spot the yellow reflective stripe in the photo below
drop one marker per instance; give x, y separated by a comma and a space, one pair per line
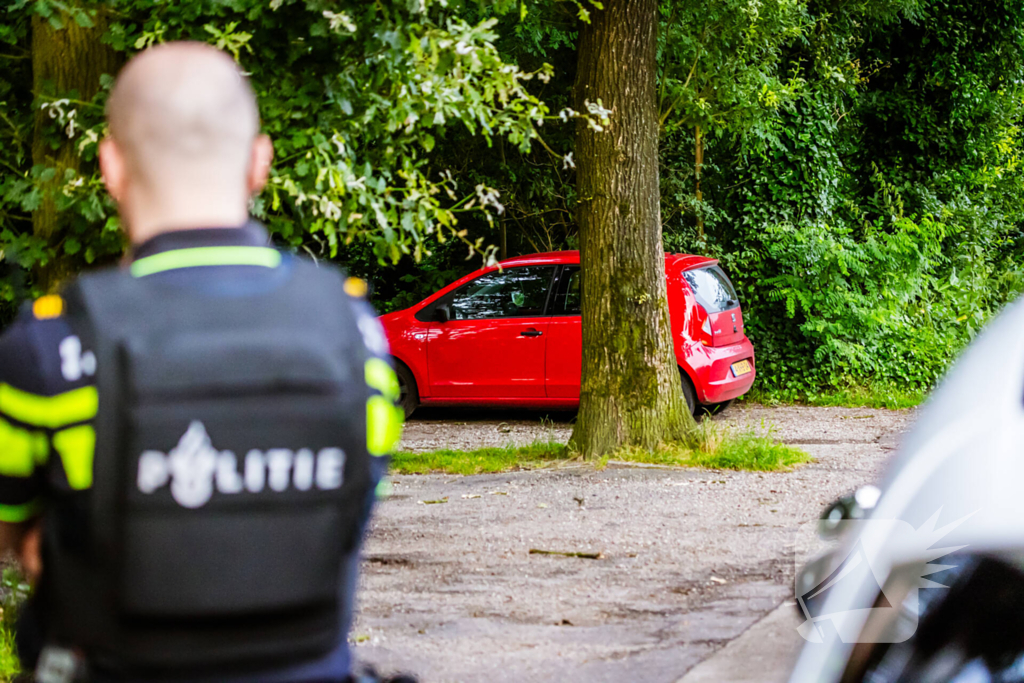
21, 450
19, 513
72, 406
383, 425
381, 377
76, 446
383, 419
206, 256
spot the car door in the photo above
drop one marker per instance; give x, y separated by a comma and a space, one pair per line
565, 337
492, 346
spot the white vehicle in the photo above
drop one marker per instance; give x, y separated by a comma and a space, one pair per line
927, 583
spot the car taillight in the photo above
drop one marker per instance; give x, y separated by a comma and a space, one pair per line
705, 336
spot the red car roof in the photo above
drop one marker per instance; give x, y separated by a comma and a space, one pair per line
543, 258
682, 261
690, 261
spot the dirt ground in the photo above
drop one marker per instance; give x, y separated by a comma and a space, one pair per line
687, 560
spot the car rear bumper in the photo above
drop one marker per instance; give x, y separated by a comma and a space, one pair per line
711, 369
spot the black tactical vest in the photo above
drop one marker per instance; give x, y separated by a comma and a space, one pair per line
230, 472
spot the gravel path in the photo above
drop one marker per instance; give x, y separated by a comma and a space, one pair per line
688, 559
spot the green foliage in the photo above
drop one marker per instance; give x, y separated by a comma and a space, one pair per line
9, 664
888, 396
861, 185
870, 217
355, 99
719, 62
13, 592
868, 206
874, 224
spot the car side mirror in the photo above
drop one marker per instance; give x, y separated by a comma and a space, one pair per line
442, 313
850, 507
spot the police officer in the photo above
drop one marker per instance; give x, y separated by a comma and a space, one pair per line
189, 444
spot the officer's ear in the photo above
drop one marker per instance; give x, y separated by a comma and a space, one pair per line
114, 168
259, 164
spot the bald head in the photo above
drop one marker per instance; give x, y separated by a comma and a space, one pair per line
184, 130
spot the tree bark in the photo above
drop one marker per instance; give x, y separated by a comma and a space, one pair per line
631, 393
66, 62
698, 167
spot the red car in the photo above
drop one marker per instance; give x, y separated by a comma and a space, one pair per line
511, 337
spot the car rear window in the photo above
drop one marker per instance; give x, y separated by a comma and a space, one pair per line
712, 288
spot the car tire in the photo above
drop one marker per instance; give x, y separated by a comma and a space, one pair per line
688, 391
408, 395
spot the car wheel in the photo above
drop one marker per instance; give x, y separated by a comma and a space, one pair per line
688, 392
408, 396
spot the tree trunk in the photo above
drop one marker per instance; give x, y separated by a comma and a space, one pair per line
698, 167
631, 393
66, 62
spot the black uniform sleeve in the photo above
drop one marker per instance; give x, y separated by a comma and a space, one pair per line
24, 447
47, 401
383, 416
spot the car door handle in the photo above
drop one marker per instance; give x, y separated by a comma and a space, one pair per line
530, 333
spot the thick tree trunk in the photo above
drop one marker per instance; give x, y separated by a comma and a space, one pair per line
66, 62
631, 393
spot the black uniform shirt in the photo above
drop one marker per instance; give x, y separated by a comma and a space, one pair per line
47, 394
48, 397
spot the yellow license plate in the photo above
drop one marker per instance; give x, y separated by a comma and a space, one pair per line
741, 368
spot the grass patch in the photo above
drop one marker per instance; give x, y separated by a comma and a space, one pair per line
872, 396
721, 449
13, 592
482, 460
9, 664
750, 451
712, 446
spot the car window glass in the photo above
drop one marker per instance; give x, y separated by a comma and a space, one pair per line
569, 293
711, 287
511, 293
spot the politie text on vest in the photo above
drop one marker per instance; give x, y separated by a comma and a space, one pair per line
194, 468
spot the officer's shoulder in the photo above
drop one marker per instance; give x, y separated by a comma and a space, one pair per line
29, 346
48, 307
47, 314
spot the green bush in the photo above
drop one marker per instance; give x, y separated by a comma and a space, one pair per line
861, 182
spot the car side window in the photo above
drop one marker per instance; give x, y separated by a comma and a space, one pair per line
510, 293
568, 296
